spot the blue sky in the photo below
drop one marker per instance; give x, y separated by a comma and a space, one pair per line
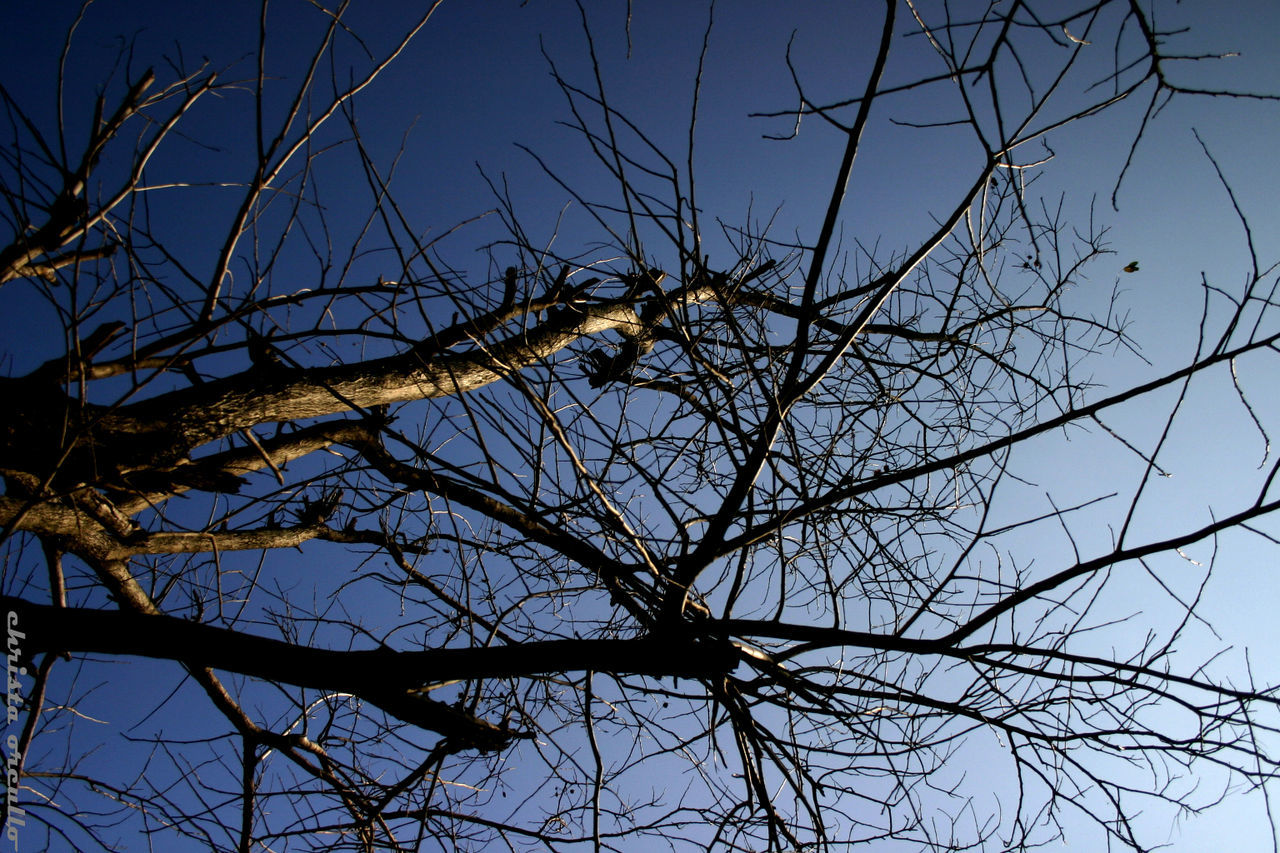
475, 85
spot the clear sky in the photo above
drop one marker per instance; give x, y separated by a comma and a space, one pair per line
473, 91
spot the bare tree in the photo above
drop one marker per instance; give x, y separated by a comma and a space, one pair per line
610, 542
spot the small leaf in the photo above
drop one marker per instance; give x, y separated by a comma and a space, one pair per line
1067, 33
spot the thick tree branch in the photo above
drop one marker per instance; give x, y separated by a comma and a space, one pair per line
392, 680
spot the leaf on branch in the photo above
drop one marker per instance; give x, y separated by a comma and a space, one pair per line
1067, 33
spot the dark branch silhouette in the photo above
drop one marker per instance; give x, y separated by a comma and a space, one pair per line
603, 544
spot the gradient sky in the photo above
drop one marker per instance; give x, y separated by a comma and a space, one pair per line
476, 83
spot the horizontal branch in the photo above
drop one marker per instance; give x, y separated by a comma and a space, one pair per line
161, 431
223, 540
371, 673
